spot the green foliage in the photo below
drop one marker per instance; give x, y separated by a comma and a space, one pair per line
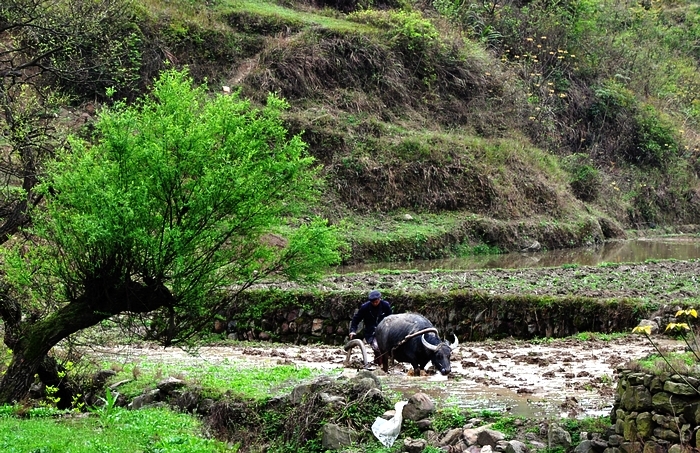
151, 430
681, 363
612, 99
585, 179
449, 417
657, 139
180, 190
405, 30
588, 424
506, 425
214, 380
92, 45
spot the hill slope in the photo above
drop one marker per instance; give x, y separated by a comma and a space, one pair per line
449, 128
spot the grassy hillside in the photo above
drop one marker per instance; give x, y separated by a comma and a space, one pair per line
449, 127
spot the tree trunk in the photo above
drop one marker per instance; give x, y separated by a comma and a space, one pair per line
35, 340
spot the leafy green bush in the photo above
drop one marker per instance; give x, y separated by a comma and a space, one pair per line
585, 179
612, 98
657, 140
405, 30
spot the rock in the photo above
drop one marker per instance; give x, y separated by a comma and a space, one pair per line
471, 435
363, 374
414, 445
204, 407
169, 384
584, 447
501, 446
636, 398
451, 437
652, 447
424, 424
615, 440
559, 437
490, 437
264, 336
645, 424
419, 406
515, 446
533, 247
100, 378
665, 402
331, 399
36, 391
679, 388
335, 437
187, 401
147, 399
631, 447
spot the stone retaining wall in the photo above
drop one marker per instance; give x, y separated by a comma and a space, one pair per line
324, 317
656, 413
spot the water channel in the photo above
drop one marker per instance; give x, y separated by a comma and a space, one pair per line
628, 251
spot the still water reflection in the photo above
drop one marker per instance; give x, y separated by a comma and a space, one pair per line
630, 251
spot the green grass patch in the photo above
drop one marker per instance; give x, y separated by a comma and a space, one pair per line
307, 18
147, 430
214, 380
681, 362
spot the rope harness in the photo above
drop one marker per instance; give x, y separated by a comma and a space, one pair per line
408, 337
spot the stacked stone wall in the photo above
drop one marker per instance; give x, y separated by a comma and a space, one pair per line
655, 413
324, 317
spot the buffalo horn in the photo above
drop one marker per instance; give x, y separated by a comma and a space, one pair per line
454, 345
432, 347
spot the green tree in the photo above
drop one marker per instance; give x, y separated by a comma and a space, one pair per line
79, 46
182, 202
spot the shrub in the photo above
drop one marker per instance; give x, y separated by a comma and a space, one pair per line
656, 140
585, 179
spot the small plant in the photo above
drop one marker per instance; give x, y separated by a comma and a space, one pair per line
685, 331
51, 395
106, 411
449, 417
506, 425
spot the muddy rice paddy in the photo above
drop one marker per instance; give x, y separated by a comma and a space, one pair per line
547, 378
569, 377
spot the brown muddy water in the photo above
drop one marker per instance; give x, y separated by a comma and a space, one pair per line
559, 378
629, 251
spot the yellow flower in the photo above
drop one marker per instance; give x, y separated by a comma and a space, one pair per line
677, 326
646, 330
689, 312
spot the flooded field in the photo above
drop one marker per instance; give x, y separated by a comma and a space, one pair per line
629, 251
570, 377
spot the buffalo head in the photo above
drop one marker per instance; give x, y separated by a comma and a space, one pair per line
440, 354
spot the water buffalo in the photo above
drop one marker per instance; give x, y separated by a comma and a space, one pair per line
411, 338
